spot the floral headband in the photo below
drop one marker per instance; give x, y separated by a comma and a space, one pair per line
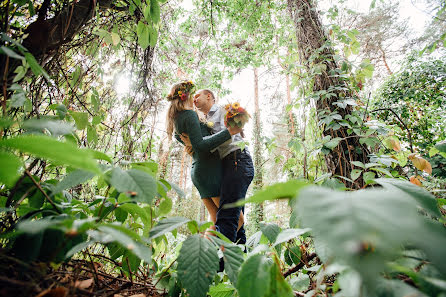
183, 91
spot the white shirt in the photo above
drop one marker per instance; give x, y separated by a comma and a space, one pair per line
216, 115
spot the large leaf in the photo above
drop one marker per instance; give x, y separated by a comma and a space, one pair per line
9, 170
288, 234
197, 265
366, 228
137, 248
232, 256
48, 148
35, 67
270, 231
155, 11
423, 197
56, 128
142, 31
287, 189
254, 279
81, 119
279, 287
135, 183
167, 225
7, 51
72, 179
136, 212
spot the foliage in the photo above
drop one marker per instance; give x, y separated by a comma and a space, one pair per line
79, 174
416, 93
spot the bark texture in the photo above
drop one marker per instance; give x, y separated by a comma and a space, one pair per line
257, 211
46, 36
313, 49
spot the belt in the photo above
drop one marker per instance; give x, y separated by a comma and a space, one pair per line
233, 155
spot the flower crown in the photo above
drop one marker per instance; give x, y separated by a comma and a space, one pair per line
182, 92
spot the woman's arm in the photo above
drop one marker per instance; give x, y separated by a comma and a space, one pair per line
199, 144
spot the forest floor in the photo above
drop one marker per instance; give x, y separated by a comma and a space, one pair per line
75, 278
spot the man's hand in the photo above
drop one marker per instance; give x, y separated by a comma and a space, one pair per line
185, 138
189, 150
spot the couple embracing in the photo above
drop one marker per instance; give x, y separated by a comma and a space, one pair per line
221, 171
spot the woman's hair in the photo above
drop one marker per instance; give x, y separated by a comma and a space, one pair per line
179, 96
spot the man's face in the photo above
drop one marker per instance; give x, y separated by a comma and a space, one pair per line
201, 99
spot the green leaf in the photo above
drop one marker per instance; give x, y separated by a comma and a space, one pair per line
155, 11
100, 155
9, 170
7, 51
355, 174
137, 248
359, 164
167, 225
233, 259
270, 231
77, 248
72, 179
197, 265
441, 146
136, 212
153, 35
300, 283
48, 148
136, 182
116, 39
287, 189
424, 199
369, 177
221, 290
165, 206
81, 119
293, 255
433, 151
365, 228
35, 67
332, 143
56, 128
130, 262
92, 136
279, 287
143, 35
289, 234
254, 278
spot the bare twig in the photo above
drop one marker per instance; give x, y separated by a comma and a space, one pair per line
43, 192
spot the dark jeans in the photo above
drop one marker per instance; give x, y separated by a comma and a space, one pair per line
238, 172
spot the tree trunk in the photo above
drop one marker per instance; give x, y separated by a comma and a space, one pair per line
313, 50
45, 37
257, 212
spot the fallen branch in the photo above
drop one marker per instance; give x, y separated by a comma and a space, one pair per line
300, 265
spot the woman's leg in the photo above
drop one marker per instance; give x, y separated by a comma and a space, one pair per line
212, 209
241, 219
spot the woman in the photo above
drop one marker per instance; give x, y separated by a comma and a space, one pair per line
206, 166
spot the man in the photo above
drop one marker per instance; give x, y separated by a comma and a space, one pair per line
238, 169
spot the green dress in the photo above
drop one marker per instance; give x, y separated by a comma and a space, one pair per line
206, 166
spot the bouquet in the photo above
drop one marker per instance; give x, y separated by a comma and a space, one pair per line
236, 115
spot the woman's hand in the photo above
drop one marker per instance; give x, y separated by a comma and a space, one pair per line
185, 138
234, 130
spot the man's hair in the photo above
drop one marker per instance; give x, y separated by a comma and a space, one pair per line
207, 91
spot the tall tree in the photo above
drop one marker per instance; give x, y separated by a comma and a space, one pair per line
257, 212
316, 53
